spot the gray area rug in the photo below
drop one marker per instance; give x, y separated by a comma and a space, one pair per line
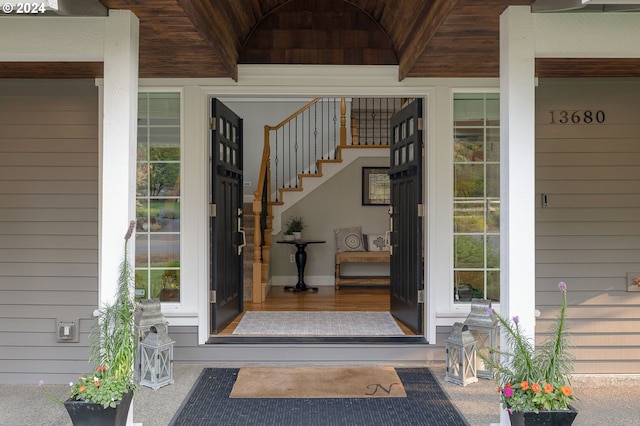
321, 323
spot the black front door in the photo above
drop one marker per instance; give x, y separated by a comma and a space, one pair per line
405, 174
226, 235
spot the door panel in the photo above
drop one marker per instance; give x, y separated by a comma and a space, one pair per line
226, 235
405, 174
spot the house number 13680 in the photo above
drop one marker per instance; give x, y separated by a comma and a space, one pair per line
577, 117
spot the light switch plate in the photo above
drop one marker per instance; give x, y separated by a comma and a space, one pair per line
67, 331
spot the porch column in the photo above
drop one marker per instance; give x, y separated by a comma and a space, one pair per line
118, 148
517, 169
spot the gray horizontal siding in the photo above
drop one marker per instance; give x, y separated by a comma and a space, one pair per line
48, 226
589, 236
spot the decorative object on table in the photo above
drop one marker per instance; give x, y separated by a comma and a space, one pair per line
349, 239
376, 188
156, 358
484, 328
460, 351
534, 382
295, 225
104, 397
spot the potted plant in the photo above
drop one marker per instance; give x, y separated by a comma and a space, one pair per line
104, 396
295, 225
534, 384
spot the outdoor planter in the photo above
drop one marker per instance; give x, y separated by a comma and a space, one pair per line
91, 414
543, 418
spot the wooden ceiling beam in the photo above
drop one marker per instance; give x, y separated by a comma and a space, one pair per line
420, 36
215, 27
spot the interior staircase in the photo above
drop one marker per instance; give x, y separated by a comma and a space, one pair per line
370, 136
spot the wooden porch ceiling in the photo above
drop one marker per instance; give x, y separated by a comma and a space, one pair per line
426, 38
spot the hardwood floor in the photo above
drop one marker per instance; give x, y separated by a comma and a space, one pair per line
326, 299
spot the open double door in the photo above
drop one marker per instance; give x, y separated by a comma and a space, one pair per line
227, 237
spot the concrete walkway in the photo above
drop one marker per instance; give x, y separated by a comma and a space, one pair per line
604, 401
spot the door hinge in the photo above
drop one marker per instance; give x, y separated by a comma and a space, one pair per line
420, 123
420, 296
212, 296
213, 210
420, 210
212, 123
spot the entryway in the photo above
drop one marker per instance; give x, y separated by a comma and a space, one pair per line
404, 218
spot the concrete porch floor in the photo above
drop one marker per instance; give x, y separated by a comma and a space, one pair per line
604, 400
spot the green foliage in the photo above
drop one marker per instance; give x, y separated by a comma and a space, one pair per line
533, 379
294, 224
113, 344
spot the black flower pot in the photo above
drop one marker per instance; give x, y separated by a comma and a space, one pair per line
543, 418
91, 414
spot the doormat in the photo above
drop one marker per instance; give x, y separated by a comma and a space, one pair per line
317, 323
318, 382
208, 403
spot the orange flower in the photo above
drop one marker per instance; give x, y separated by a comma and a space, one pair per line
566, 390
101, 368
535, 387
96, 383
548, 388
82, 388
524, 385
499, 389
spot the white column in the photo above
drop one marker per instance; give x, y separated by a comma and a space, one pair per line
118, 147
517, 169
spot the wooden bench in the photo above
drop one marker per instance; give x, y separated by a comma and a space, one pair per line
361, 257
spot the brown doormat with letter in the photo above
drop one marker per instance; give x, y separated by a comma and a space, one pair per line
318, 382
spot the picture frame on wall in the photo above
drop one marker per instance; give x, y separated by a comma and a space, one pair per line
376, 189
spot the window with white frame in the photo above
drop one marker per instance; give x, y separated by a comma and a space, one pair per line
476, 196
158, 196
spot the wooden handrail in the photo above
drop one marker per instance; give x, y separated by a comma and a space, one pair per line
292, 116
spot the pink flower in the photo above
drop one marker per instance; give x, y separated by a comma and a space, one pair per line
562, 286
508, 392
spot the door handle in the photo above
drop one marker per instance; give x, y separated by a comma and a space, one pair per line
244, 241
241, 231
387, 235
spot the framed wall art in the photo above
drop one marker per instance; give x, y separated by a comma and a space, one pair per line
376, 190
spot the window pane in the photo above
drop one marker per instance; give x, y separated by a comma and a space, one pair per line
468, 251
142, 252
164, 179
142, 285
493, 285
468, 180
493, 251
493, 144
468, 146
468, 285
493, 180
468, 109
164, 248
142, 180
493, 216
468, 216
493, 109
